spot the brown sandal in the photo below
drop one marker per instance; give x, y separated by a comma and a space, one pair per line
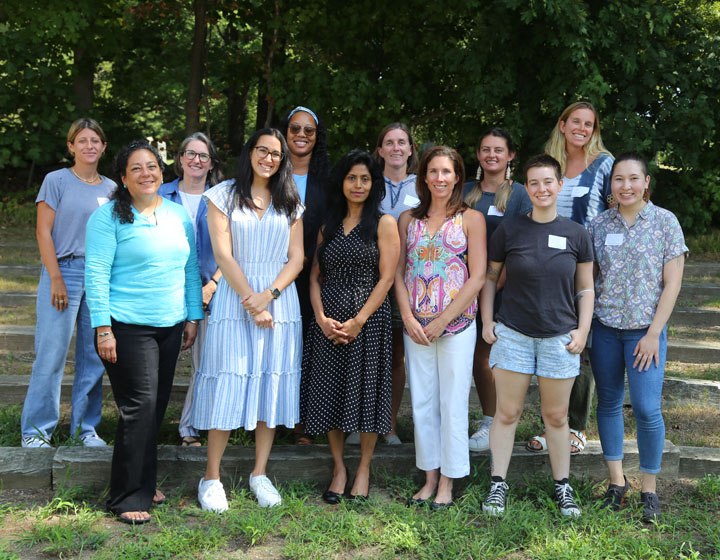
191, 441
302, 439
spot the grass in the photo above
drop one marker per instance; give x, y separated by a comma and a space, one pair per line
304, 528
707, 372
19, 283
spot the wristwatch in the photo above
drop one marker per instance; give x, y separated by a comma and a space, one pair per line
274, 292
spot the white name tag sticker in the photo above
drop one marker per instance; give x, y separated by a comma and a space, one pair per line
492, 211
614, 239
411, 201
580, 191
557, 242
102, 200
236, 215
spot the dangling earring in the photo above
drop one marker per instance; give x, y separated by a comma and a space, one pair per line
478, 175
124, 186
611, 200
646, 195
507, 172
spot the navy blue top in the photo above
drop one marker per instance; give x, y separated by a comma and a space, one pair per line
205, 255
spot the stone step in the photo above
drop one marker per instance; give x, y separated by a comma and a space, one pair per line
676, 392
183, 466
698, 291
17, 299
697, 318
699, 269
20, 270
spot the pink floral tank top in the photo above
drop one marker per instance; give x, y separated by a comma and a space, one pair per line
436, 269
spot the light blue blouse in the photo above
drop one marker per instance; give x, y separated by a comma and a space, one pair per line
142, 273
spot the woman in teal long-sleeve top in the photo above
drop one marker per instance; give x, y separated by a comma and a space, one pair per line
144, 293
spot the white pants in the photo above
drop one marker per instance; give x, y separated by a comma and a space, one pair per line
439, 376
196, 350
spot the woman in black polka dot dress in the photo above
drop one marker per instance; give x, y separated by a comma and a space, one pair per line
345, 384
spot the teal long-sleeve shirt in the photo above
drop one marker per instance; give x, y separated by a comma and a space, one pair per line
142, 273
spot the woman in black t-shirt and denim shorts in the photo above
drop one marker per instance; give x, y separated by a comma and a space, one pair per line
549, 263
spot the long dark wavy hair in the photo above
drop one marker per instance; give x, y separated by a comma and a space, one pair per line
215, 175
121, 195
318, 170
455, 204
283, 191
337, 207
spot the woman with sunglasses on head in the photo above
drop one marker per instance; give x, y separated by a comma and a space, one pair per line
144, 295
577, 145
498, 197
307, 141
249, 375
198, 168
66, 199
639, 259
347, 355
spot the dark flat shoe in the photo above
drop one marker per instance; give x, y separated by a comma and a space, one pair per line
434, 506
614, 496
356, 499
332, 498
415, 502
121, 517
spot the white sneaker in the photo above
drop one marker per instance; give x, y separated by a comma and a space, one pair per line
480, 440
211, 496
34, 441
93, 440
353, 439
264, 491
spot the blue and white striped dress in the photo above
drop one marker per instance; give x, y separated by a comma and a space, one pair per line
248, 374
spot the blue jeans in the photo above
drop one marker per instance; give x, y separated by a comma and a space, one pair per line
611, 354
53, 333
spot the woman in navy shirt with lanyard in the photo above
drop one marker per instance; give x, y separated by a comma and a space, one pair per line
497, 196
640, 254
198, 168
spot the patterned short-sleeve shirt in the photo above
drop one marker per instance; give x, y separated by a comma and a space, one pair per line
631, 261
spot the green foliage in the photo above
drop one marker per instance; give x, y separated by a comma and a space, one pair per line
650, 67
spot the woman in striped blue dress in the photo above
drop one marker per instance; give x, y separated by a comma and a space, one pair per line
249, 375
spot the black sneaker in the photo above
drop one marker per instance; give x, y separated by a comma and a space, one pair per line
614, 496
565, 499
494, 503
651, 506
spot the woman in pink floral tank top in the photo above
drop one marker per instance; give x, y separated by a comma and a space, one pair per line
436, 286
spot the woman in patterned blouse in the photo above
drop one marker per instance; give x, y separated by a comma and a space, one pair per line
436, 284
639, 257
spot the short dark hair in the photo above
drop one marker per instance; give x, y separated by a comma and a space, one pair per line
121, 195
631, 156
543, 160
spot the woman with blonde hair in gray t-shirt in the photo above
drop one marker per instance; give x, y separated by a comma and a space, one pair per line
67, 198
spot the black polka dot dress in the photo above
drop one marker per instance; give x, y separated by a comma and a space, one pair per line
347, 386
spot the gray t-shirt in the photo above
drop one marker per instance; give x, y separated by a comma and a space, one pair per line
73, 202
399, 196
541, 258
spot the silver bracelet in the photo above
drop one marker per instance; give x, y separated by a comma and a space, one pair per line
104, 334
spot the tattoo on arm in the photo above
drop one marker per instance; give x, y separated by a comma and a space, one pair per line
493, 272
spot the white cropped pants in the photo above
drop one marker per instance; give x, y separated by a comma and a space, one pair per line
439, 376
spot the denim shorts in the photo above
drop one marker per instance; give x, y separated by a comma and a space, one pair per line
544, 357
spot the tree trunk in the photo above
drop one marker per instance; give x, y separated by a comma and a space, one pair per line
197, 68
270, 46
83, 79
237, 95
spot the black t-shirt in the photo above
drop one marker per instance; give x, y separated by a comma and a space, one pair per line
539, 294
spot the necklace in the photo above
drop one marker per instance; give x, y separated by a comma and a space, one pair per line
88, 181
153, 216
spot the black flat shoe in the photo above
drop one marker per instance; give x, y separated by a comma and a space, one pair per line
356, 499
434, 506
415, 502
121, 517
332, 498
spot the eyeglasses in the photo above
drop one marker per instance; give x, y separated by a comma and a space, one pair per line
296, 128
190, 155
263, 153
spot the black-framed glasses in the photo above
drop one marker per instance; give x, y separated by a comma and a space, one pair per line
191, 154
296, 128
263, 153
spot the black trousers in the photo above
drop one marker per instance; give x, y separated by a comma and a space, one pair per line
141, 381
